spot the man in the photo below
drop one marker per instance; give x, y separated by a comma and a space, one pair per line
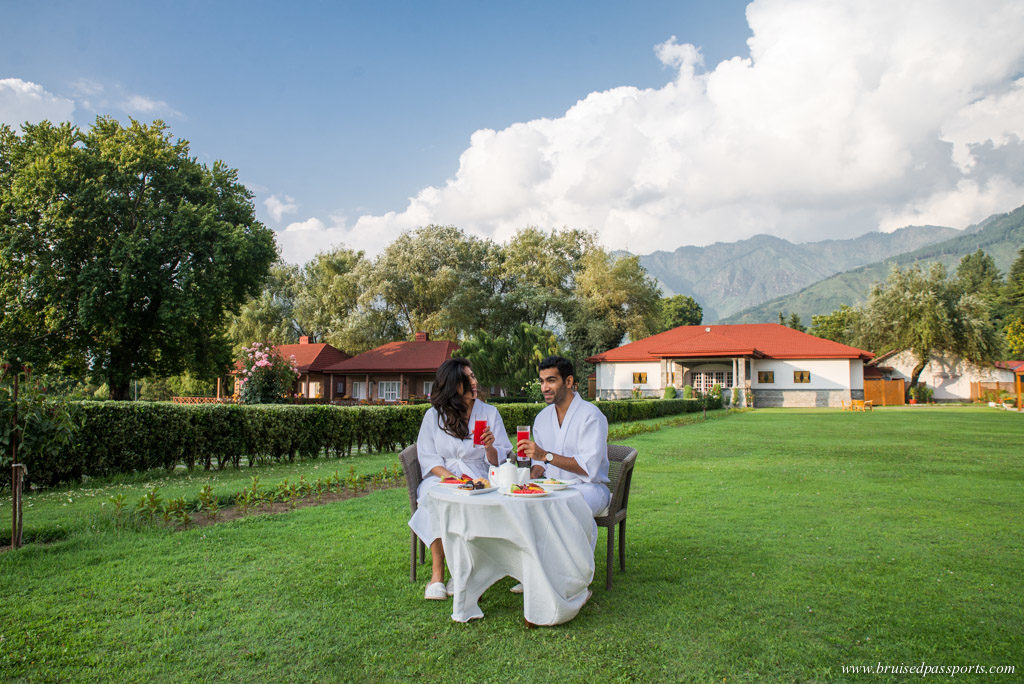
570, 436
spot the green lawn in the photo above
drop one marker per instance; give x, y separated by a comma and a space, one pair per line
771, 545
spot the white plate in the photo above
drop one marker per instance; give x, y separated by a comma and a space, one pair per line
471, 492
550, 487
507, 492
451, 485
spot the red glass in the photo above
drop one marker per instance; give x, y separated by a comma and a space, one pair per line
478, 432
522, 432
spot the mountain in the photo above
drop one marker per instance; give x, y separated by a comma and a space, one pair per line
1000, 236
726, 278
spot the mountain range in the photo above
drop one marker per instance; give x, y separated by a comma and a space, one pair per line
752, 280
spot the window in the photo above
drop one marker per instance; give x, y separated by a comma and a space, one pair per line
388, 390
801, 376
428, 387
703, 381
766, 377
639, 378
358, 390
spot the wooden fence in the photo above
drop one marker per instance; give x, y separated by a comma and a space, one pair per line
978, 389
883, 392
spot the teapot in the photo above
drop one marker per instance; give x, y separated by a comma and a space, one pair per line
504, 476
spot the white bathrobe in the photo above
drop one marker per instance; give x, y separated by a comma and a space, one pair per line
435, 447
583, 436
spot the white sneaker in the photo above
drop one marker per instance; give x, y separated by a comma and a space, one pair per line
435, 592
518, 589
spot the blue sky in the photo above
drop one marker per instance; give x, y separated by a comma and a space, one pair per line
653, 123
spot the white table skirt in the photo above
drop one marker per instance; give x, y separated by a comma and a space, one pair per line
547, 543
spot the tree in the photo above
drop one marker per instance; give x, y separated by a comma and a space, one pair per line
1012, 296
680, 310
839, 326
120, 253
434, 279
795, 323
612, 297
509, 362
977, 273
1015, 337
928, 315
270, 315
329, 293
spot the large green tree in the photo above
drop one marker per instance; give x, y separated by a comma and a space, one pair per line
612, 297
977, 273
120, 252
329, 294
680, 310
840, 326
929, 315
509, 362
269, 315
434, 279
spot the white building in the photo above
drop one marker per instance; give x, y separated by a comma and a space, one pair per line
950, 378
773, 364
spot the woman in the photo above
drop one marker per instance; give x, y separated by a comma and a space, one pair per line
445, 449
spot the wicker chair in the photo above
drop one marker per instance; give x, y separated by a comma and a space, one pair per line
413, 477
620, 473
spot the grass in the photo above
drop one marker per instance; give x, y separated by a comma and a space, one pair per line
771, 545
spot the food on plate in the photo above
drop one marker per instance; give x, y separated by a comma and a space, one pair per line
550, 481
527, 489
456, 480
475, 484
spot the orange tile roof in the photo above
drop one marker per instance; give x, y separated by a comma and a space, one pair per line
399, 357
759, 340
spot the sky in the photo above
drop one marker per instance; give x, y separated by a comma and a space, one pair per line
655, 124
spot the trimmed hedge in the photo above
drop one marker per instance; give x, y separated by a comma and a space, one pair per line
115, 437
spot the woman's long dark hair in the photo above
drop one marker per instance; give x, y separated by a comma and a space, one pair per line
450, 384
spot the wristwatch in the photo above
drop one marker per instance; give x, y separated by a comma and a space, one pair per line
548, 458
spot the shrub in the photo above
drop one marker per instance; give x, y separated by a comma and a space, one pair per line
266, 376
922, 393
670, 392
687, 391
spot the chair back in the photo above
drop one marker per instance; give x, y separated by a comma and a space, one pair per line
413, 475
620, 474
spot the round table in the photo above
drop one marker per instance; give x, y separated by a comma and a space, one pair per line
547, 543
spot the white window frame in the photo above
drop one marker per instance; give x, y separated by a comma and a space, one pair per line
358, 389
389, 390
428, 387
704, 380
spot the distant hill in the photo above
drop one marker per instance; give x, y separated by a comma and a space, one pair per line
726, 278
1000, 236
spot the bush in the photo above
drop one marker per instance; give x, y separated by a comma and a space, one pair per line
922, 393
45, 426
266, 376
113, 437
687, 391
670, 392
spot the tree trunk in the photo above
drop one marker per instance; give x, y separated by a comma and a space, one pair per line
914, 375
120, 391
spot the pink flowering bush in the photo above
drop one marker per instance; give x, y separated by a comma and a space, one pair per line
267, 377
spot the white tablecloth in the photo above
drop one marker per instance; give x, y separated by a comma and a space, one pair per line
547, 543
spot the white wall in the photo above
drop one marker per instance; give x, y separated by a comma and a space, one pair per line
950, 378
619, 376
826, 374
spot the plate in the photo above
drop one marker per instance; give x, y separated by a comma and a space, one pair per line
471, 492
451, 485
550, 487
522, 496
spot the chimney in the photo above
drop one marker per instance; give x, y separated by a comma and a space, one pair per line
422, 337
304, 339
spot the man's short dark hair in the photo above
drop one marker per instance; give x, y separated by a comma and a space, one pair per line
562, 364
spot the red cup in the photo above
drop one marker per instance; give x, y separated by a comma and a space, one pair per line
522, 432
478, 432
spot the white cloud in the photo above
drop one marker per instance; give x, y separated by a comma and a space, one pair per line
22, 101
140, 104
844, 117
278, 207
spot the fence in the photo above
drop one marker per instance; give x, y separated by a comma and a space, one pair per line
884, 392
980, 390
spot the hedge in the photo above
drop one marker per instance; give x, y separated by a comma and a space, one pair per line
116, 437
